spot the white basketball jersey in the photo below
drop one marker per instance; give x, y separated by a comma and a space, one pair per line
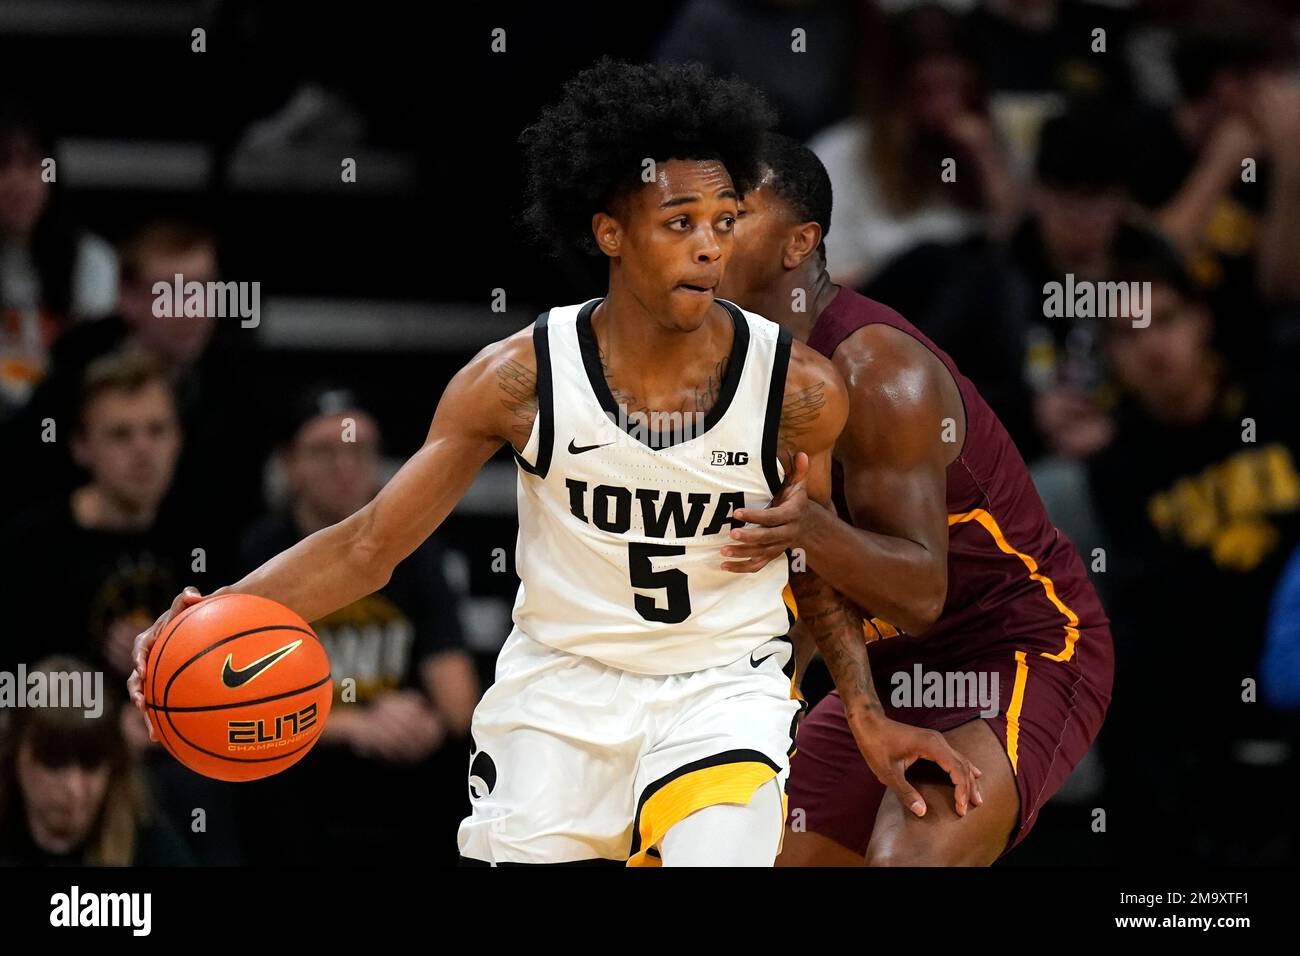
622, 520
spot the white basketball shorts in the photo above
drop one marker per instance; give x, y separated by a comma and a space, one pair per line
574, 760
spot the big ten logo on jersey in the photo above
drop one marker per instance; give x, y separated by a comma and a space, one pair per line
269, 733
730, 458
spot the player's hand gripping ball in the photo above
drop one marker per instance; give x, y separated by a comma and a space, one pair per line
238, 687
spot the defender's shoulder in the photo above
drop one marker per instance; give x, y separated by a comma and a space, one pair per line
884, 356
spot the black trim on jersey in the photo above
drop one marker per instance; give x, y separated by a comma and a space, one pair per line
717, 760
775, 399
596, 374
545, 402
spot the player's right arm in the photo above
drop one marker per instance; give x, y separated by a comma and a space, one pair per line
490, 401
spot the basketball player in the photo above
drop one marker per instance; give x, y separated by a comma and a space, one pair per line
643, 707
947, 550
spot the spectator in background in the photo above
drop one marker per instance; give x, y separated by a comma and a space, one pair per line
71, 792
1199, 496
924, 104
51, 272
386, 782
1080, 224
88, 571
84, 572
218, 479
753, 39
1238, 104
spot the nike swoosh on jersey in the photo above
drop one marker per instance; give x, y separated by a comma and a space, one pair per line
239, 676
576, 449
755, 663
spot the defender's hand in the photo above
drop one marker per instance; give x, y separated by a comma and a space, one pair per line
890, 747
780, 524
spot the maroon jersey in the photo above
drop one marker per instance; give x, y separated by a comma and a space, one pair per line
1020, 608
1013, 579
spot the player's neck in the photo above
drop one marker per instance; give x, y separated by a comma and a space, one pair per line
94, 508
798, 300
624, 327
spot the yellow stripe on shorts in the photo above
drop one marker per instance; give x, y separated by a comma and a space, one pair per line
730, 777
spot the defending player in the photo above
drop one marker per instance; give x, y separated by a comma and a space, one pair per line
642, 707
949, 552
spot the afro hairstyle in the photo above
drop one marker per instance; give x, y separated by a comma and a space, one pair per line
587, 149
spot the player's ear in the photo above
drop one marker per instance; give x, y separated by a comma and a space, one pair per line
801, 243
607, 233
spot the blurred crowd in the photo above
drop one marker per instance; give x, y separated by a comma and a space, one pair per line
979, 151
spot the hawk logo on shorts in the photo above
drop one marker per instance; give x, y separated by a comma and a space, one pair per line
482, 772
730, 458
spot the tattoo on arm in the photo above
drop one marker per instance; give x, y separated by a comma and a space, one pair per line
799, 413
518, 385
836, 626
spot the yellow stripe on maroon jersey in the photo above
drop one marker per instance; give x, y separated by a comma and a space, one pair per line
1013, 711
986, 521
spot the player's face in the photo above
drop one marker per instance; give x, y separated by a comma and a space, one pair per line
62, 802
676, 240
758, 255
333, 464
129, 443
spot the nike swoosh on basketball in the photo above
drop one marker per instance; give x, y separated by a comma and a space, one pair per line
239, 676
576, 449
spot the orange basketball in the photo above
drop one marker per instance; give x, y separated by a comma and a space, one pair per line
238, 687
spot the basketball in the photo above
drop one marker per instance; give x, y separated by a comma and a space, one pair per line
238, 687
